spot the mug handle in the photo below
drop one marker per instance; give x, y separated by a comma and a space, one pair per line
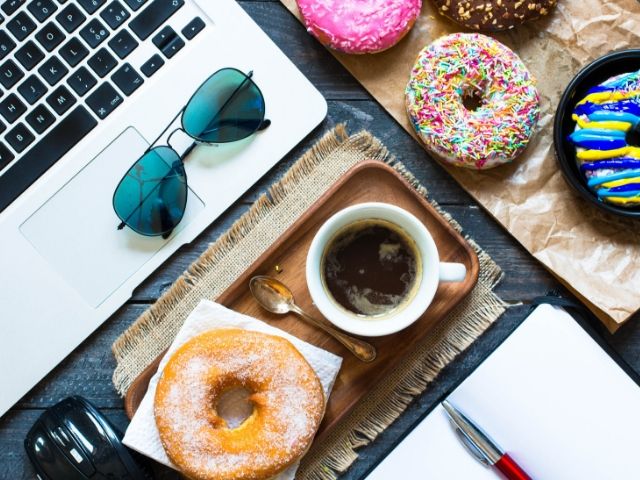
452, 272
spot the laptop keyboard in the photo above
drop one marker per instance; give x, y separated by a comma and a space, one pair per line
48, 103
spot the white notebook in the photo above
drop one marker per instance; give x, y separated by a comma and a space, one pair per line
550, 396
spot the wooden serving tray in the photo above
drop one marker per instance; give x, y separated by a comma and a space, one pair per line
366, 182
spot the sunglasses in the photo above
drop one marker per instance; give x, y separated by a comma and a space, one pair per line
152, 196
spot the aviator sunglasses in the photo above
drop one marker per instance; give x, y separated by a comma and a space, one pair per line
152, 196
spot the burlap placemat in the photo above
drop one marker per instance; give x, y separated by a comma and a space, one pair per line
250, 236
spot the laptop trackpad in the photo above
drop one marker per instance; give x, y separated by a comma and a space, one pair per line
75, 230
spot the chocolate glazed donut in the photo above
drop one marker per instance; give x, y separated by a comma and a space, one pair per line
493, 15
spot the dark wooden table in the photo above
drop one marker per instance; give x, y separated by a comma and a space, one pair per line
87, 371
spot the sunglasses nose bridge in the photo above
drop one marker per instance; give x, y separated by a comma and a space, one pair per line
185, 148
173, 132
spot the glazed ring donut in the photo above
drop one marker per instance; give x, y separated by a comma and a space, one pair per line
459, 67
607, 119
287, 396
359, 26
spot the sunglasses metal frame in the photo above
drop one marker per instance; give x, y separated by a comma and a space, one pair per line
196, 141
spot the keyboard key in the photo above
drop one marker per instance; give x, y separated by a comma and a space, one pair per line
82, 81
21, 26
94, 33
163, 37
152, 65
11, 108
3, 127
168, 41
102, 62
11, 6
5, 156
91, 6
123, 43
71, 17
32, 89
104, 100
40, 118
61, 99
73, 51
10, 74
37, 160
29, 55
19, 137
53, 70
173, 47
42, 9
114, 14
194, 27
150, 19
6, 44
135, 4
127, 79
50, 36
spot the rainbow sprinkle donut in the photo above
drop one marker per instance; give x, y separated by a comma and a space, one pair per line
607, 139
464, 66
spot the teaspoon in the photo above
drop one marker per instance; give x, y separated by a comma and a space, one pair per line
275, 297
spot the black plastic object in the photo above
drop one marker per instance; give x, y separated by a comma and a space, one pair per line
73, 441
593, 74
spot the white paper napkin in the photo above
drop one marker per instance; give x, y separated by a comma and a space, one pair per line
142, 434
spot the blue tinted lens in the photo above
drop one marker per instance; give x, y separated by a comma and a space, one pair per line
152, 196
226, 108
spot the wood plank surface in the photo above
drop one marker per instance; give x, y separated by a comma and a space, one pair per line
87, 371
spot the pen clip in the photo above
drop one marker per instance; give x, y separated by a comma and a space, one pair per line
471, 447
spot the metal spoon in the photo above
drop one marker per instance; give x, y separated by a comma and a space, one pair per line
275, 297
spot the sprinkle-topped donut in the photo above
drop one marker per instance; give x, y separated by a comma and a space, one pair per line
466, 68
607, 139
359, 26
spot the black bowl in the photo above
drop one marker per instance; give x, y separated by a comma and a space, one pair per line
593, 74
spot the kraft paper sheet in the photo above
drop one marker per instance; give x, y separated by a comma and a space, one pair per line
594, 254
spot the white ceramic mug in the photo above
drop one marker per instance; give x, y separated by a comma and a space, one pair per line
433, 271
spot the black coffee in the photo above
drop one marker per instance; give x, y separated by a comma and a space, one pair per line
370, 267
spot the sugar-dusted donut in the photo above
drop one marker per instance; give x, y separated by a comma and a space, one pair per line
493, 15
287, 397
607, 139
500, 93
359, 26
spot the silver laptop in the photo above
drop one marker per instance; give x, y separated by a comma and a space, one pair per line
87, 84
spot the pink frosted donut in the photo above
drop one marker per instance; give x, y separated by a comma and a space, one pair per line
359, 26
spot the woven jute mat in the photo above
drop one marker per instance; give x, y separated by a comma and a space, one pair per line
250, 236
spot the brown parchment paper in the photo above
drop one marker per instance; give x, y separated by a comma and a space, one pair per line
594, 254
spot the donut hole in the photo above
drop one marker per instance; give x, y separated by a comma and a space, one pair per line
234, 406
633, 136
472, 100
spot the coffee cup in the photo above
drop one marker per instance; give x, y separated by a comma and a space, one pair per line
397, 253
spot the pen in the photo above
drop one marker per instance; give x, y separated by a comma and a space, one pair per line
481, 446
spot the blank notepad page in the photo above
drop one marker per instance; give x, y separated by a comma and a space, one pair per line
550, 396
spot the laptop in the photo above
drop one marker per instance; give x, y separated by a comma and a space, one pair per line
86, 86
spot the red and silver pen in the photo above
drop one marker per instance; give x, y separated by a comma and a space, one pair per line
482, 447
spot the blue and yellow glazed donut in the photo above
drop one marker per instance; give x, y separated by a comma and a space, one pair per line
607, 139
